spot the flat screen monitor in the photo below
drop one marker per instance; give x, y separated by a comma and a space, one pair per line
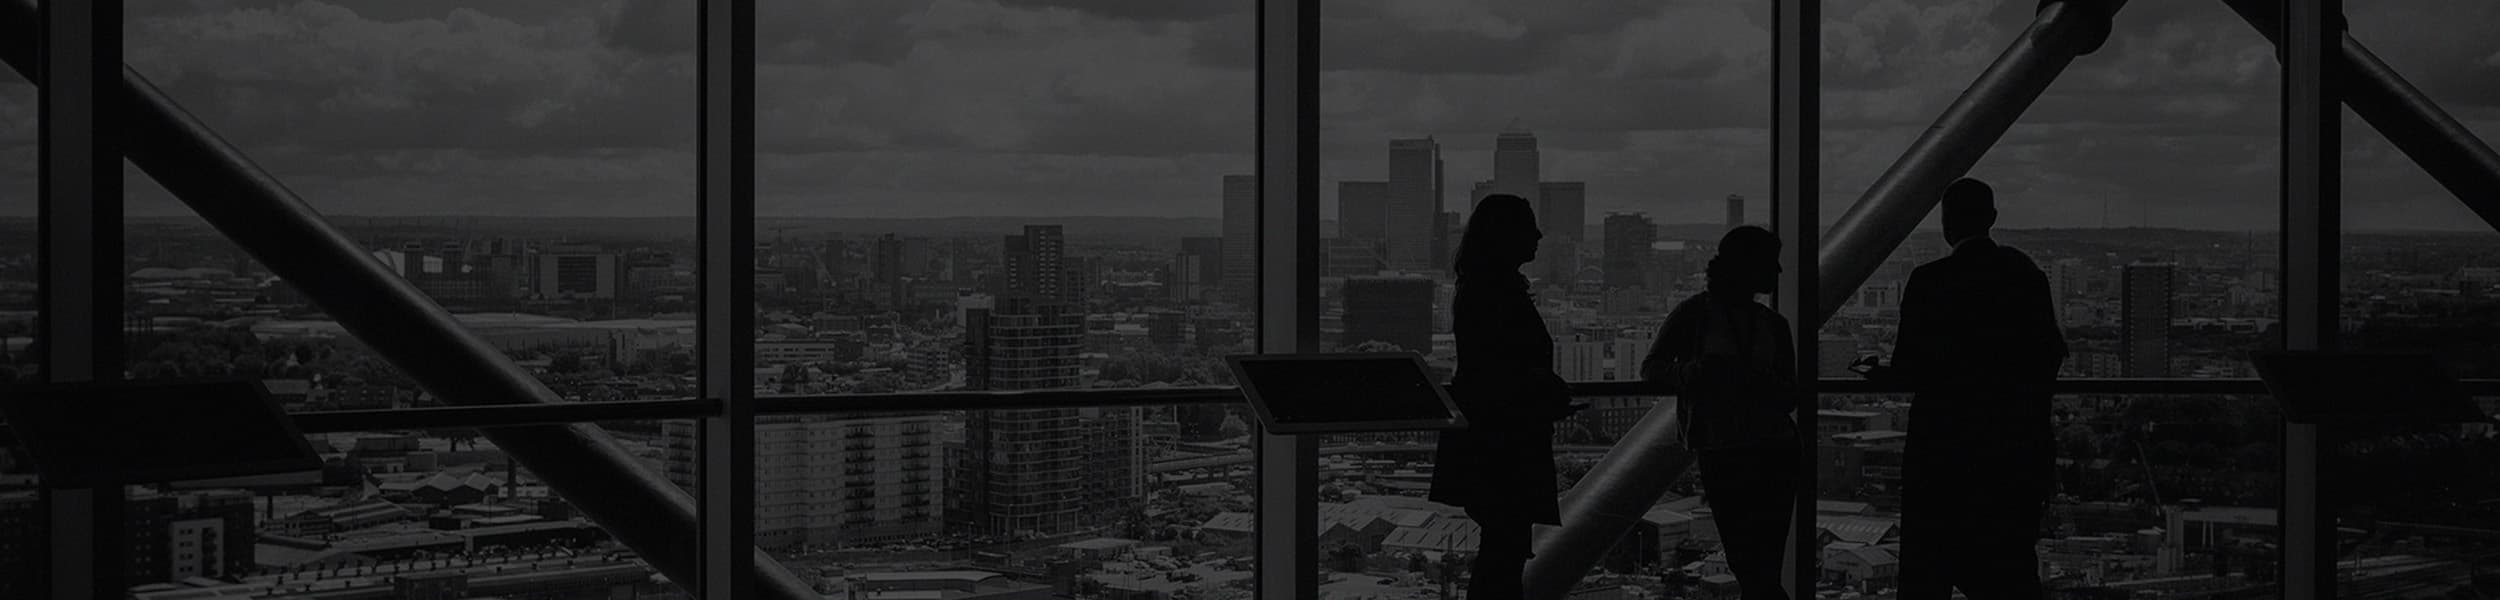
89, 435
2365, 388
1344, 392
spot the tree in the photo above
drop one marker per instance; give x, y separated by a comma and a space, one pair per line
567, 363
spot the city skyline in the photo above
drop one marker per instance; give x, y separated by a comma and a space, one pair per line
1033, 108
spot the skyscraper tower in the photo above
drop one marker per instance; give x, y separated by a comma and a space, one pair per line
1414, 204
1735, 211
1628, 240
1362, 209
1037, 267
1241, 238
1036, 470
1516, 168
2147, 289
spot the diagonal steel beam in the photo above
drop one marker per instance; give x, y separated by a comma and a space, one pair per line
1621, 487
1901, 198
580, 461
2410, 120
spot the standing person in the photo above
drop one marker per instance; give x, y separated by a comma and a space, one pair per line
1979, 346
1501, 467
1734, 368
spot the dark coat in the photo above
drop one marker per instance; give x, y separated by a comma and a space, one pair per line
1980, 345
1734, 369
1503, 462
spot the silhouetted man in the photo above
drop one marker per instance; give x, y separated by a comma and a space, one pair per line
1980, 345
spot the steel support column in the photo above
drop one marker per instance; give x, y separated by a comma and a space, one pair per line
2312, 186
1288, 280
2444, 148
1616, 493
1796, 211
1905, 193
726, 232
385, 312
80, 206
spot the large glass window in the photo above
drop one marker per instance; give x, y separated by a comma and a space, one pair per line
2143, 183
527, 166
996, 197
2420, 272
1631, 129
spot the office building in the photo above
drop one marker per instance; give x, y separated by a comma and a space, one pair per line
1396, 310
1517, 168
1241, 238
1037, 267
834, 481
1414, 205
1363, 209
1563, 210
1629, 237
1196, 270
2144, 317
580, 272
1042, 470
1352, 257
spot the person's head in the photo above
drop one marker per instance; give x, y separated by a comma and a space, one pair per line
1748, 262
1970, 208
1500, 236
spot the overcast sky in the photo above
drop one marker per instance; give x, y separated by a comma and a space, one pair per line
898, 108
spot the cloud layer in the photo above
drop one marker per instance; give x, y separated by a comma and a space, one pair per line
1137, 107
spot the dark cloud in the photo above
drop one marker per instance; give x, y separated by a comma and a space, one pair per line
1144, 10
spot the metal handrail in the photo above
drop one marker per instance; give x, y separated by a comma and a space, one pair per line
538, 414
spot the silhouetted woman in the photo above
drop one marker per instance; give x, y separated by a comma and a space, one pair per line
1501, 467
1734, 369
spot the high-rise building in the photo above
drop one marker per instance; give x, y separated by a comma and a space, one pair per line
2144, 317
1196, 269
1040, 470
834, 480
1517, 169
1037, 267
1352, 257
1397, 310
1414, 204
1735, 211
578, 272
1628, 240
1563, 216
1241, 238
1363, 209
1564, 210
